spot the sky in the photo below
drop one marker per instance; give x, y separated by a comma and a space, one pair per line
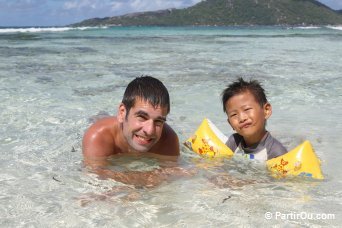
65, 12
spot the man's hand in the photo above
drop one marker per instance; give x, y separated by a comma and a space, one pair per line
147, 179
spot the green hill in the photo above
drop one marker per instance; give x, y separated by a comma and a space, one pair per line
231, 12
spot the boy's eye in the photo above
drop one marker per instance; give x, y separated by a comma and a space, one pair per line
232, 115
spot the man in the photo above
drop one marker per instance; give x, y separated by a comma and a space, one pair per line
139, 128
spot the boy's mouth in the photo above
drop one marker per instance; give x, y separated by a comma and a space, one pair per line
246, 125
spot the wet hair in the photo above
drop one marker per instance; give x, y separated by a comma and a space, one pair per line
240, 86
148, 89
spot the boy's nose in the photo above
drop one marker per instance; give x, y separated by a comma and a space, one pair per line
242, 117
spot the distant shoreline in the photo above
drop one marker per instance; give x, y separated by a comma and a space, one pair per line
176, 26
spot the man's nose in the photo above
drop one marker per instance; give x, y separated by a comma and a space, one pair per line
149, 127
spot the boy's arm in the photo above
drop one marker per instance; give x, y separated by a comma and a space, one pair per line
276, 149
228, 181
233, 142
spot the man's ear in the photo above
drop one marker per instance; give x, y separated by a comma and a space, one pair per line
267, 110
121, 113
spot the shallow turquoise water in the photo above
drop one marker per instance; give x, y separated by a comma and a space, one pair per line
53, 82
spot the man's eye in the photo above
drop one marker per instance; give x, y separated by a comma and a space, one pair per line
159, 123
141, 118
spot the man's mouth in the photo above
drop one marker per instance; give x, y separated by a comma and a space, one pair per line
143, 140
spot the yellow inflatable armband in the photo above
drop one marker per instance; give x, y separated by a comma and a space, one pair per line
301, 161
209, 141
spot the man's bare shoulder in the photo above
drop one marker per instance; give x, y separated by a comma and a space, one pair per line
106, 121
99, 139
103, 126
168, 144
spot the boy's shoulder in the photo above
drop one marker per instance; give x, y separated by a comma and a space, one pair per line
273, 147
234, 141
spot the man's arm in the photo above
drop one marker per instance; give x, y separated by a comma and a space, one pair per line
168, 145
98, 145
98, 140
153, 178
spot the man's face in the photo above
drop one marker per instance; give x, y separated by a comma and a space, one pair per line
247, 117
143, 126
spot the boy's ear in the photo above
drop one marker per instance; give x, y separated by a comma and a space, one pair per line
121, 113
267, 110
230, 124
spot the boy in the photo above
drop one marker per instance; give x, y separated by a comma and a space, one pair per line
247, 108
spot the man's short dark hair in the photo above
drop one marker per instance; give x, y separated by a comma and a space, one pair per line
239, 86
148, 89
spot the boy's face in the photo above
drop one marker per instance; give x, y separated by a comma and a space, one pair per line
247, 117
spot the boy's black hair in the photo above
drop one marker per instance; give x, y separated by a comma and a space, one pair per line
148, 89
239, 86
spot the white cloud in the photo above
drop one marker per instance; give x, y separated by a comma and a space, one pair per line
115, 6
18, 5
69, 5
103, 8
334, 4
87, 4
144, 5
